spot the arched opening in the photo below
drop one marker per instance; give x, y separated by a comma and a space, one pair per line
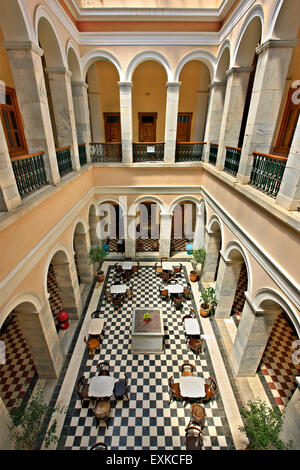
111, 229
81, 255
184, 225
213, 245
147, 227
93, 221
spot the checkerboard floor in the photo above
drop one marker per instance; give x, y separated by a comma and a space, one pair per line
147, 420
54, 299
178, 244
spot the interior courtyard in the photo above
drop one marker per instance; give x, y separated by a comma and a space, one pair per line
149, 130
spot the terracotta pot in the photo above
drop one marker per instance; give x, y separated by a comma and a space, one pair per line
204, 310
194, 276
100, 276
147, 319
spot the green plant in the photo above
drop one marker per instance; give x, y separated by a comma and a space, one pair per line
199, 255
28, 423
208, 296
97, 255
262, 426
147, 316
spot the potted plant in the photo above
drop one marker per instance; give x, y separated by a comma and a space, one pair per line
199, 258
262, 426
97, 255
147, 316
209, 301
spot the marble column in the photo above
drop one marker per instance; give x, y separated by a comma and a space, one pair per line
228, 276
130, 235
212, 247
214, 115
82, 117
63, 110
26, 66
200, 118
291, 423
235, 97
269, 84
171, 121
126, 120
67, 283
5, 440
9, 194
93, 223
251, 339
289, 192
165, 235
38, 329
82, 256
198, 241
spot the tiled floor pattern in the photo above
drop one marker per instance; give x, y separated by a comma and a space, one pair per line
239, 299
54, 299
147, 421
178, 244
19, 371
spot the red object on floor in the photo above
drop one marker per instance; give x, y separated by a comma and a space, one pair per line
63, 320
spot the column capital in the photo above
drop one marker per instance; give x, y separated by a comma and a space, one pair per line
242, 69
58, 71
125, 84
279, 43
24, 45
80, 85
173, 84
216, 84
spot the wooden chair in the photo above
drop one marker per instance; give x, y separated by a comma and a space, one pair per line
119, 269
158, 269
198, 414
195, 345
164, 293
177, 301
117, 301
155, 245
92, 345
210, 389
99, 446
126, 274
129, 292
165, 276
177, 270
82, 389
187, 369
95, 314
193, 438
187, 292
135, 269
121, 388
104, 368
101, 411
108, 296
174, 390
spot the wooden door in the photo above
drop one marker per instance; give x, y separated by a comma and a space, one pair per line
147, 127
184, 127
112, 127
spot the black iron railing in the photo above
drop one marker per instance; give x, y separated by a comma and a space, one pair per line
232, 160
148, 151
106, 152
189, 151
82, 154
29, 172
267, 172
63, 155
213, 152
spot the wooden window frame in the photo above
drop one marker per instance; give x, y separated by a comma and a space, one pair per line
279, 148
14, 151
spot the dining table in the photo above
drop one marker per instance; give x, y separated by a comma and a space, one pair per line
101, 386
127, 265
167, 266
118, 289
192, 327
96, 326
175, 289
191, 387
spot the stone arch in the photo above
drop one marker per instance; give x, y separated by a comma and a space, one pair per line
116, 199
16, 22
148, 56
29, 297
204, 56
223, 62
180, 199
215, 224
249, 36
284, 20
91, 57
49, 38
74, 62
213, 246
81, 245
132, 209
235, 245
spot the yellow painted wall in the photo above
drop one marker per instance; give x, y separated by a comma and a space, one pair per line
5, 71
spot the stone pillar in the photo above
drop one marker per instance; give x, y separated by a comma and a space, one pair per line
228, 276
40, 334
9, 194
291, 423
198, 241
130, 236
235, 97
214, 115
171, 121
289, 192
93, 222
126, 120
82, 117
63, 110
251, 339
26, 66
165, 235
269, 84
212, 247
95, 118
67, 283
200, 118
5, 441
84, 267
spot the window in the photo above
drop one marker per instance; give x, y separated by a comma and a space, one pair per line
12, 124
288, 124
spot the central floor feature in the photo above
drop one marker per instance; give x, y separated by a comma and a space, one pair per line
147, 335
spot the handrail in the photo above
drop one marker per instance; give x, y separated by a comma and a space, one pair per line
104, 143
59, 149
29, 155
234, 148
81, 145
269, 155
190, 142
148, 143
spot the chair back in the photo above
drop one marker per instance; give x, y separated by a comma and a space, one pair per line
99, 446
187, 366
104, 368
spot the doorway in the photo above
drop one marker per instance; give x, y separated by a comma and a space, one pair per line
147, 127
184, 127
112, 123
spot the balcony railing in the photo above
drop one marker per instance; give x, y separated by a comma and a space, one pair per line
213, 152
29, 172
189, 151
232, 160
267, 172
64, 161
106, 152
82, 154
148, 151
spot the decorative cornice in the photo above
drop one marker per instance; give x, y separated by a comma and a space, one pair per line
173, 84
58, 71
276, 43
242, 69
26, 45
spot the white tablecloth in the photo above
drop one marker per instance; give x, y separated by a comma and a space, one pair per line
118, 289
192, 387
96, 326
167, 266
192, 326
175, 289
127, 265
101, 386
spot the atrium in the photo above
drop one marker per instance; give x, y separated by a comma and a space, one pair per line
146, 132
